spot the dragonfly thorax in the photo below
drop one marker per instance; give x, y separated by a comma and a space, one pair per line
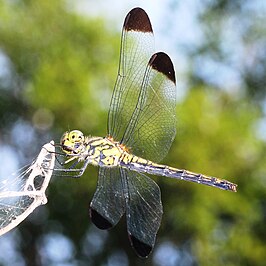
104, 152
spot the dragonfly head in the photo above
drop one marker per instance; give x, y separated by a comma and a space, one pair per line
72, 142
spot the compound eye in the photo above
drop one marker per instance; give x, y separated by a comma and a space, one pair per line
64, 138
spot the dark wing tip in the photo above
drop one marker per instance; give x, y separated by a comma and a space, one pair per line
143, 250
137, 20
162, 63
99, 220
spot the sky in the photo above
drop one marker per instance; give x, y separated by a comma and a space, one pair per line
176, 25
117, 11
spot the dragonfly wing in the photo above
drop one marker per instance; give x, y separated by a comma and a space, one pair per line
142, 109
143, 210
137, 46
152, 127
107, 205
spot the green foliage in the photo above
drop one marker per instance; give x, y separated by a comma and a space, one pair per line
217, 137
60, 60
62, 68
233, 38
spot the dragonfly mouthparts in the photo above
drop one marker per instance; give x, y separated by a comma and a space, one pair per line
69, 150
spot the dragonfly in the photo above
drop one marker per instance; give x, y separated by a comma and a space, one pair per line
141, 128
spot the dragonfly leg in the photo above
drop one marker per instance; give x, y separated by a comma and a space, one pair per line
67, 161
71, 171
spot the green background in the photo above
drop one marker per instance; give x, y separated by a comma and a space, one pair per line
58, 73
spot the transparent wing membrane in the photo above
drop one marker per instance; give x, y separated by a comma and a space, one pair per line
23, 192
137, 46
152, 127
108, 204
143, 211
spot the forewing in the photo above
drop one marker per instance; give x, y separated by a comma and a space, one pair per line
137, 46
143, 211
107, 205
